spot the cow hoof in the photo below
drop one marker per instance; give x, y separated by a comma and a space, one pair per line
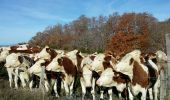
101, 99
57, 96
73, 95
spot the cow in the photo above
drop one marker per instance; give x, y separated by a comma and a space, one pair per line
43, 59
25, 48
18, 65
160, 59
69, 71
86, 73
100, 63
4, 53
111, 78
142, 74
36, 69
18, 49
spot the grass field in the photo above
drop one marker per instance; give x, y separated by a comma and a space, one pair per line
7, 93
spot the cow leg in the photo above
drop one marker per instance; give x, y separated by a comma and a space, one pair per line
101, 94
150, 94
22, 79
110, 94
130, 94
71, 87
156, 90
83, 88
55, 89
9, 70
46, 85
119, 95
66, 88
144, 91
93, 88
16, 78
31, 85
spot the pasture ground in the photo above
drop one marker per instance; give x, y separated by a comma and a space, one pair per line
7, 93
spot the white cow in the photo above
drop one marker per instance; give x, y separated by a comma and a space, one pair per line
17, 65
37, 70
86, 73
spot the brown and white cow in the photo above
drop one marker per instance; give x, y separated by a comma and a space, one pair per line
69, 71
25, 48
51, 78
111, 78
100, 63
86, 73
62, 62
143, 75
160, 59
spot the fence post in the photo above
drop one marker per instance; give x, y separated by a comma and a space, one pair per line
42, 81
168, 64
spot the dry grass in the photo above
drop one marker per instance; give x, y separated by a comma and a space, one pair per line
7, 93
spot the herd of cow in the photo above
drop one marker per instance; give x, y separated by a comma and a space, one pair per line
134, 74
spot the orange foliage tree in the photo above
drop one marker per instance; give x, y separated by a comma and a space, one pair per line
131, 33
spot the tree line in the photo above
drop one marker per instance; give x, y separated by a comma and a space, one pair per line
115, 32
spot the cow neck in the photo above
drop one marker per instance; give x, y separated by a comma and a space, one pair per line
92, 57
52, 53
152, 72
109, 62
79, 60
120, 77
46, 63
68, 66
140, 76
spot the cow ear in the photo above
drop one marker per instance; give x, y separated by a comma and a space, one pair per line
60, 60
131, 61
107, 58
42, 64
115, 77
48, 50
20, 58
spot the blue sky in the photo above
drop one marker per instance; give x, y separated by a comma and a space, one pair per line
21, 19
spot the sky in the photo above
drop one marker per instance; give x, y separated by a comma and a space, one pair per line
20, 20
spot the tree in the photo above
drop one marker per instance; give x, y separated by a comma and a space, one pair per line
131, 33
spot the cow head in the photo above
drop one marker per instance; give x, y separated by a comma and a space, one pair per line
162, 59
44, 53
161, 56
72, 56
36, 68
106, 78
110, 77
13, 60
103, 61
97, 64
4, 53
55, 64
